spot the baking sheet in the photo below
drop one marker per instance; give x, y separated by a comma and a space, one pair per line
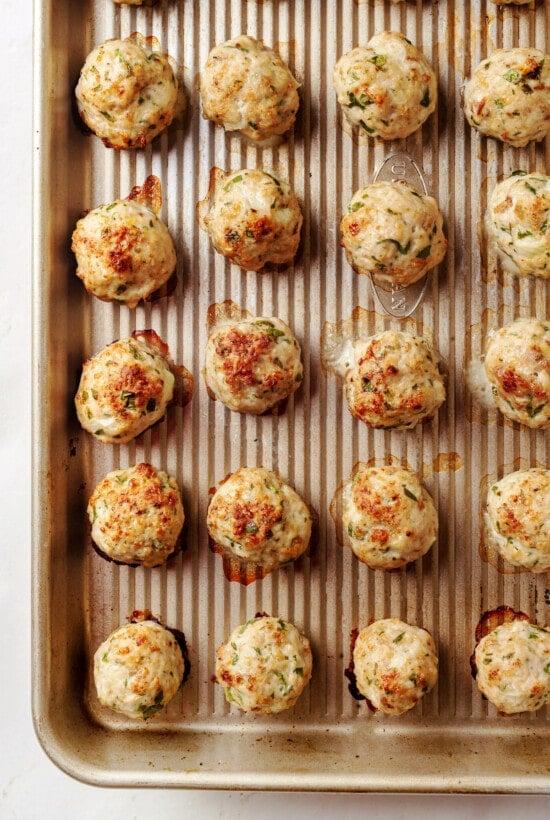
453, 741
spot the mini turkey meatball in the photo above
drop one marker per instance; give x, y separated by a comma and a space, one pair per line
508, 96
395, 665
389, 517
257, 518
246, 87
123, 251
517, 364
517, 518
511, 664
136, 515
265, 665
518, 225
138, 669
395, 380
127, 93
252, 218
387, 88
125, 388
252, 365
393, 233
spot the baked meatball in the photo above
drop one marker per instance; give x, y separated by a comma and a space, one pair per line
389, 517
123, 251
252, 218
125, 388
517, 364
246, 87
509, 2
127, 92
387, 88
138, 669
517, 518
512, 666
256, 518
264, 666
518, 225
393, 233
136, 515
395, 380
395, 665
508, 96
253, 364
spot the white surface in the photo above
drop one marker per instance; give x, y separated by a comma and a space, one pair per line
30, 786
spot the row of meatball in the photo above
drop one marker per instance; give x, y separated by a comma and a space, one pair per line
258, 523
266, 664
392, 379
390, 231
128, 91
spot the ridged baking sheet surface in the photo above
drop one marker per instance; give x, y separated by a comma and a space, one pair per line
315, 443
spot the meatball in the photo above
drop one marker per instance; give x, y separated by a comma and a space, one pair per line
518, 226
252, 365
136, 515
123, 250
393, 233
127, 92
252, 218
246, 87
125, 388
388, 515
509, 2
264, 666
512, 665
508, 96
256, 518
387, 87
517, 364
395, 380
395, 665
517, 518
138, 669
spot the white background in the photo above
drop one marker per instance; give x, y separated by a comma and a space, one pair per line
30, 786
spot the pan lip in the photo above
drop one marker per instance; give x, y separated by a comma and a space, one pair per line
73, 763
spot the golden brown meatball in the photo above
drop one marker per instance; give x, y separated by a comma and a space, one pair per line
258, 519
508, 96
389, 517
387, 88
246, 87
123, 251
517, 364
127, 92
136, 515
125, 388
252, 217
395, 665
265, 665
393, 233
394, 381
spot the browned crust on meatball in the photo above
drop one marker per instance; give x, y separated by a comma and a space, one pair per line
148, 194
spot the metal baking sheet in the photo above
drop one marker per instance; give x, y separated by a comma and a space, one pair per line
453, 741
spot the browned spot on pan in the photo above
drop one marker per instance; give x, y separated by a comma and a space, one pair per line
447, 462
